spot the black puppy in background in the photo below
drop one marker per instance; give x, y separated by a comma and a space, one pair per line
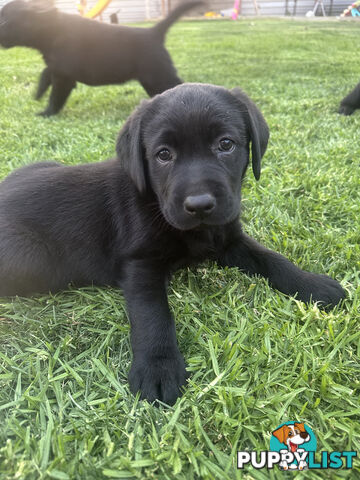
170, 199
351, 102
77, 49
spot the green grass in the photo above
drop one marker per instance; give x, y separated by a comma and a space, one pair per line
257, 358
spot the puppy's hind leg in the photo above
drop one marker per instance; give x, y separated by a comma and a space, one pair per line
44, 83
159, 75
26, 265
351, 102
154, 84
61, 89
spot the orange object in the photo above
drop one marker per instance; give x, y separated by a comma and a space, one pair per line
97, 9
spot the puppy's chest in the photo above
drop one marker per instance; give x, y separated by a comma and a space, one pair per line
200, 245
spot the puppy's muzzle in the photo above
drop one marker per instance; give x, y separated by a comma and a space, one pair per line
199, 206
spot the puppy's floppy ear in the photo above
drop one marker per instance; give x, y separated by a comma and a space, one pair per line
281, 433
130, 150
300, 426
258, 128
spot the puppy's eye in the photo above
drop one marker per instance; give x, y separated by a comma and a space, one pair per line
226, 145
164, 155
290, 434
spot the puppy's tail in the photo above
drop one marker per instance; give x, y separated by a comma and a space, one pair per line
162, 27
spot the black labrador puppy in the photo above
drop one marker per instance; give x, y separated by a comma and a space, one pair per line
351, 102
170, 199
77, 49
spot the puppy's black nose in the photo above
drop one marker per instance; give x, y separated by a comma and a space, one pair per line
199, 205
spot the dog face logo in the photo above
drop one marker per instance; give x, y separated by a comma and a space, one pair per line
292, 435
293, 440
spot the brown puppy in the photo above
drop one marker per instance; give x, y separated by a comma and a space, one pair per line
293, 436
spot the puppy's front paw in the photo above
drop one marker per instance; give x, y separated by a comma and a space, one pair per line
320, 288
158, 378
346, 110
46, 113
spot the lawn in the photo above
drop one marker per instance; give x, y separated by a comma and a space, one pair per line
257, 358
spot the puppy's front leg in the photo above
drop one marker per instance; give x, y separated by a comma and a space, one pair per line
251, 257
61, 89
351, 102
158, 368
44, 83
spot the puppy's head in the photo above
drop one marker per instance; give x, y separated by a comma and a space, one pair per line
191, 146
292, 435
26, 23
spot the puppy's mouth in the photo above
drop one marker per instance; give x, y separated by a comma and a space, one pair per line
193, 225
293, 447
186, 224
